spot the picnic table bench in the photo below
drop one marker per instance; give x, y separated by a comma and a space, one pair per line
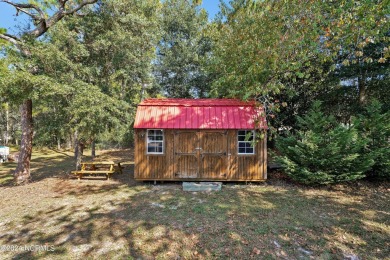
107, 168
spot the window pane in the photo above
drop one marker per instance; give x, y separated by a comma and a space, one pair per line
159, 148
249, 150
241, 138
249, 144
245, 142
155, 139
245, 135
155, 147
241, 132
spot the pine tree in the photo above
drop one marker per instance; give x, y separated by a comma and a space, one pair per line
182, 50
323, 151
375, 128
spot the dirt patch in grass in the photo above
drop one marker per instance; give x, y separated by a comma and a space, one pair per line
122, 218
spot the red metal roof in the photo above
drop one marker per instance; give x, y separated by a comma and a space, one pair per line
177, 113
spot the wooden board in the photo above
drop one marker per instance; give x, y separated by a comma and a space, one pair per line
217, 159
186, 154
213, 155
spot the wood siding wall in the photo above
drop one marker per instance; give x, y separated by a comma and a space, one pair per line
199, 155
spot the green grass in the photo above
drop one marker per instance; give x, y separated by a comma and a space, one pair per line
95, 218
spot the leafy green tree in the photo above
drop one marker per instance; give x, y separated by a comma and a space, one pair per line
182, 50
288, 54
42, 21
323, 151
357, 37
102, 61
120, 42
9, 120
260, 51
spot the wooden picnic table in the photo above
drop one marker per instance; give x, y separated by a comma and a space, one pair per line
106, 167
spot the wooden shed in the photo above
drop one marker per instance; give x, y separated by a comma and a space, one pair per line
199, 139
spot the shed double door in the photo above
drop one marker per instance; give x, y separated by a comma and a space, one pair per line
201, 154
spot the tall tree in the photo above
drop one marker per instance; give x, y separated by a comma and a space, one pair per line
120, 42
183, 47
4, 109
357, 35
42, 20
101, 62
283, 52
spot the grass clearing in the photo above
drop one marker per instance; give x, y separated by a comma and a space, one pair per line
121, 218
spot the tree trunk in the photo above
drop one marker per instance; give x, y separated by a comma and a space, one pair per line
80, 152
362, 87
93, 149
22, 172
69, 142
77, 157
6, 125
58, 143
362, 92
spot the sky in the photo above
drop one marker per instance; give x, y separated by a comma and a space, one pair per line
8, 19
211, 6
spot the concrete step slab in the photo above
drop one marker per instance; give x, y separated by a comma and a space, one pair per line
202, 186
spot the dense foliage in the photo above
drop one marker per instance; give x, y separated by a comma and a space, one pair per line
84, 73
324, 151
101, 74
182, 50
298, 51
375, 128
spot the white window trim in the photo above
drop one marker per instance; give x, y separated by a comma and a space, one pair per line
238, 143
154, 141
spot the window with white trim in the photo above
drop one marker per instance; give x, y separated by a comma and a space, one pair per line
155, 141
245, 142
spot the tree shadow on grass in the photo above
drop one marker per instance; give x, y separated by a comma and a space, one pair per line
6, 177
260, 221
122, 217
50, 163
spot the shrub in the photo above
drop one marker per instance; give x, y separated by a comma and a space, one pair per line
323, 151
374, 126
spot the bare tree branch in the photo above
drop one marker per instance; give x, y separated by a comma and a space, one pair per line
10, 38
43, 23
81, 5
16, 42
57, 16
18, 9
23, 7
62, 3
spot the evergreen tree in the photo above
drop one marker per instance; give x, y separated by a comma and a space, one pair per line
110, 49
375, 127
43, 18
323, 151
182, 50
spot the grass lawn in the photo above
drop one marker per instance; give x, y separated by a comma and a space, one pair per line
121, 218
